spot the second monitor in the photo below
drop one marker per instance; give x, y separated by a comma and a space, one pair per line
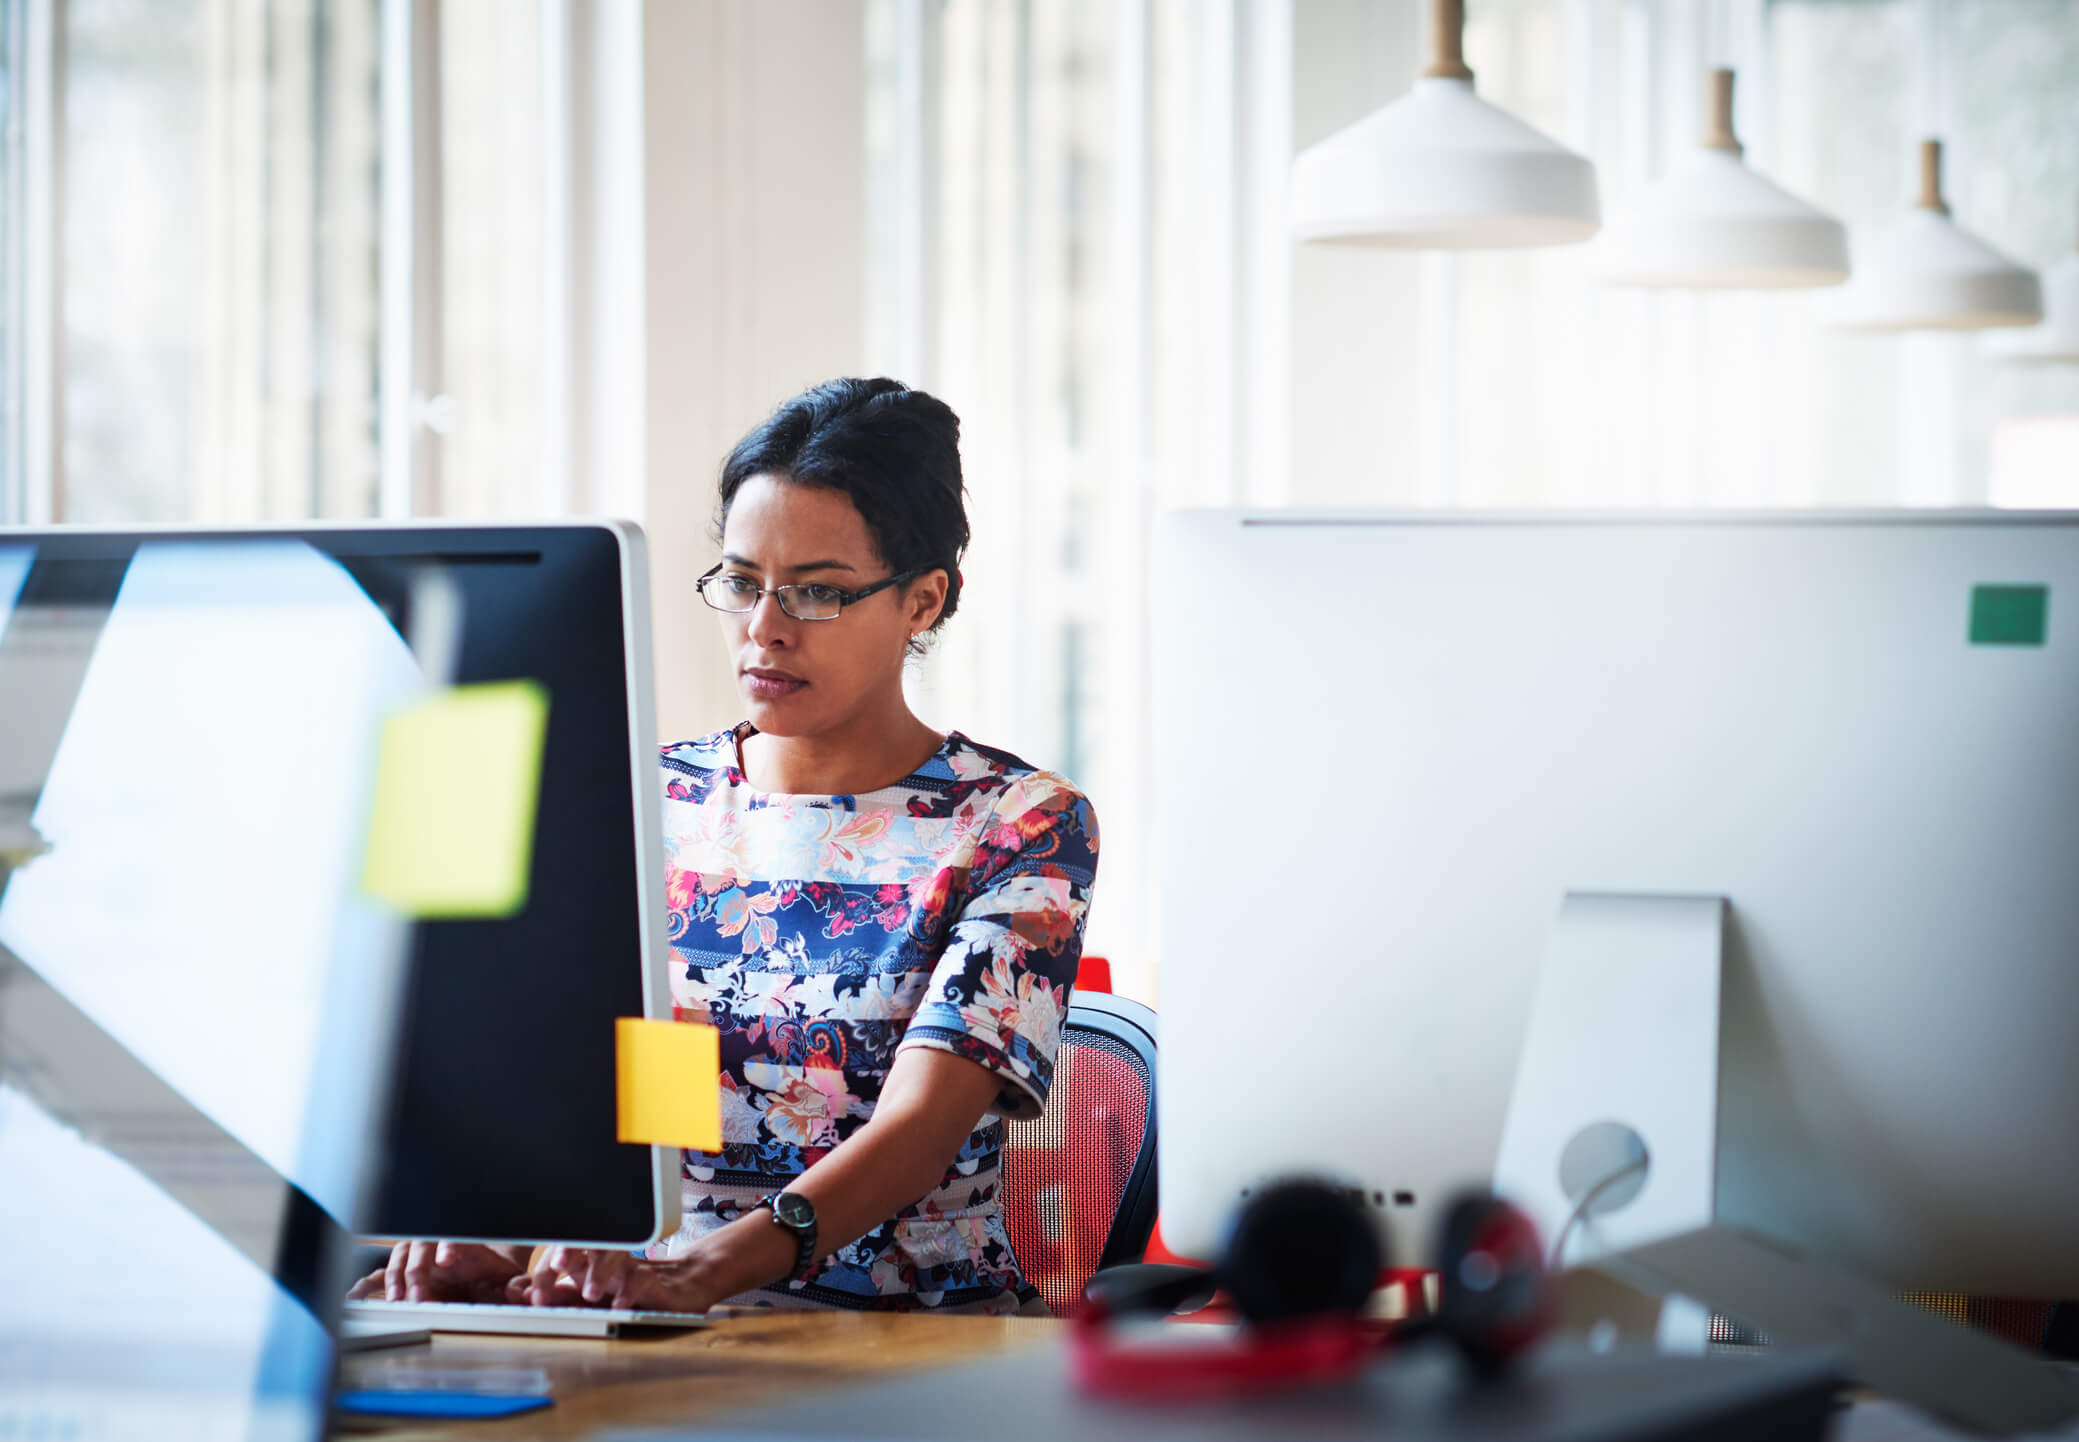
1393, 743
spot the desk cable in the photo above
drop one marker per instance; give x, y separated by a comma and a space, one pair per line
1580, 1211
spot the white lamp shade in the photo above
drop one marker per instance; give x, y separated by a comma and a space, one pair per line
1922, 272
1441, 169
1711, 223
2057, 338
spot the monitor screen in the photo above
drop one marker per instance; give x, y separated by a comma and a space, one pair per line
504, 1125
196, 1002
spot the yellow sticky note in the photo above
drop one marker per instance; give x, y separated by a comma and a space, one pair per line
670, 1083
452, 834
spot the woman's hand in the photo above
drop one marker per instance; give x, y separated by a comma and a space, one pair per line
443, 1272
929, 1104
746, 1254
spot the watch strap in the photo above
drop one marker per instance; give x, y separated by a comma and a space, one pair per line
804, 1235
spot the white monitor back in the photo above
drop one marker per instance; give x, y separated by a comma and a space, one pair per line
1389, 745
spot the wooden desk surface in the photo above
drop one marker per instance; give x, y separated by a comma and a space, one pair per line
689, 1378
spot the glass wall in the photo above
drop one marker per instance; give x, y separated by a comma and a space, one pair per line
1074, 234
1106, 317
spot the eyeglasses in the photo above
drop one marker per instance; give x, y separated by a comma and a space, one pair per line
813, 602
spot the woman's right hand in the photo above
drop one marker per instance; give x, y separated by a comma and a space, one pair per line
442, 1272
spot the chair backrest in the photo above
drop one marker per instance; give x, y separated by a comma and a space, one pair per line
1079, 1181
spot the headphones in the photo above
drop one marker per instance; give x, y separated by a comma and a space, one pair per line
1299, 1265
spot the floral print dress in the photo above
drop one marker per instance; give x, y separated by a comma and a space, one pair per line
822, 935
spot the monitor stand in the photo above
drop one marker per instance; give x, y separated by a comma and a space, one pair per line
1617, 1087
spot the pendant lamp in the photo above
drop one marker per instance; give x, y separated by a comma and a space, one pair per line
2057, 338
1924, 272
1441, 169
1711, 223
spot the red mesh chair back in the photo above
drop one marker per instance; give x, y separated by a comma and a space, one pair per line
1079, 1181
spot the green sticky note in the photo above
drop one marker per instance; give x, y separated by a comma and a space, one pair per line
2009, 615
452, 833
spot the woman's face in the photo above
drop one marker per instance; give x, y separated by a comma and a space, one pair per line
806, 678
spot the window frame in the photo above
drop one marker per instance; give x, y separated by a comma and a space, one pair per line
32, 463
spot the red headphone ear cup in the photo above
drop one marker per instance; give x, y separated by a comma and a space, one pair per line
1300, 1263
1495, 1297
1301, 1249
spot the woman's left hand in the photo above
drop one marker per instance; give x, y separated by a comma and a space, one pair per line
929, 1104
574, 1277
738, 1258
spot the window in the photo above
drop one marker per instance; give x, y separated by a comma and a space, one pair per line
1617, 397
1024, 237
484, 392
25, 254
2017, 128
217, 306
251, 214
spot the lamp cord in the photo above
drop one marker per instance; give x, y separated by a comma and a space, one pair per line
1580, 1211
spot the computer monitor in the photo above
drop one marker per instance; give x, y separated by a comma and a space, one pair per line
1390, 744
197, 1004
502, 1125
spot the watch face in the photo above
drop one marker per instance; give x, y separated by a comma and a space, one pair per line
793, 1210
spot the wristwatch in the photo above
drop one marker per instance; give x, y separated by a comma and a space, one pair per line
798, 1215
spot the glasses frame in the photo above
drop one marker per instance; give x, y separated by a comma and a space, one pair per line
780, 593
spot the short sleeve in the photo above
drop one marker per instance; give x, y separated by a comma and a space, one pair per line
1001, 988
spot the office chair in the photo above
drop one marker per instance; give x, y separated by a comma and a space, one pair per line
1079, 1181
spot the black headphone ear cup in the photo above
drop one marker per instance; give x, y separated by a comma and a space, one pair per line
1494, 1295
1134, 1287
1299, 1249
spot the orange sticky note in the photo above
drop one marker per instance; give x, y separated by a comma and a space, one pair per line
670, 1083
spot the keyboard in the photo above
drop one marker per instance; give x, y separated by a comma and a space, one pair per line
361, 1335
516, 1320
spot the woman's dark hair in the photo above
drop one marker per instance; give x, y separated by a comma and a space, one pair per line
894, 452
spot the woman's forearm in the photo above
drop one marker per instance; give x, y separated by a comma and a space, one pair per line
929, 1105
932, 1103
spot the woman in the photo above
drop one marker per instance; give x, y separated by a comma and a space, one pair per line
882, 921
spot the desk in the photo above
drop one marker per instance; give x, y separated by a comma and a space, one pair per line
692, 1377
802, 1366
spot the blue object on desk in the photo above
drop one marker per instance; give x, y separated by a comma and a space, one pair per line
439, 1403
